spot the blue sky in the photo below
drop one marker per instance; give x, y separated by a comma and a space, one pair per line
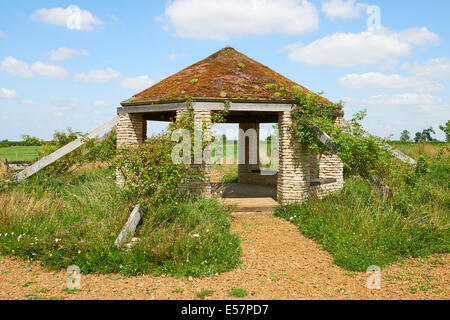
53, 76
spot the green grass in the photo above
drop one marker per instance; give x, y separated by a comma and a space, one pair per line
19, 153
75, 218
415, 150
204, 293
238, 293
359, 229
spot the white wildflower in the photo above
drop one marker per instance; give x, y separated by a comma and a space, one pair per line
196, 235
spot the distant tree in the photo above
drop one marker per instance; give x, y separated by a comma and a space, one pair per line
446, 129
405, 136
425, 135
31, 141
418, 137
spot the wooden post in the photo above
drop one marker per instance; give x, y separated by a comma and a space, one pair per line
130, 226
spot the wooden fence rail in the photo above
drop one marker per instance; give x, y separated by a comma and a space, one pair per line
48, 160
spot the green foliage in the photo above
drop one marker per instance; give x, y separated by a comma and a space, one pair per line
446, 129
31, 141
93, 150
360, 229
204, 293
241, 65
193, 81
74, 220
238, 293
425, 135
405, 136
149, 171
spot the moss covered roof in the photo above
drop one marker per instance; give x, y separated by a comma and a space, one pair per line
226, 74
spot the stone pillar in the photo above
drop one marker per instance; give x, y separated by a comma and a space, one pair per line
294, 166
314, 166
201, 162
131, 130
248, 152
202, 119
331, 167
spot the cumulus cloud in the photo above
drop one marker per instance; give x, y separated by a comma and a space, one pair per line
438, 68
220, 20
7, 94
342, 9
396, 100
29, 102
49, 70
137, 83
98, 76
371, 47
65, 53
100, 103
174, 56
376, 80
71, 17
16, 67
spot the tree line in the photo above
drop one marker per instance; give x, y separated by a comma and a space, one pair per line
426, 134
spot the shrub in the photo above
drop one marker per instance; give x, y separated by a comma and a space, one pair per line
360, 229
74, 220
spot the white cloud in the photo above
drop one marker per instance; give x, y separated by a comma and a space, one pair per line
49, 70
396, 100
70, 17
7, 94
375, 80
98, 76
137, 83
378, 46
100, 103
342, 9
438, 68
220, 20
2, 34
16, 67
174, 56
29, 102
65, 53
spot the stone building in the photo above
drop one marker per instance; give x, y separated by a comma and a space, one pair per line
230, 80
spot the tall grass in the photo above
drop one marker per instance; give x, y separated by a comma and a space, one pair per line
360, 229
74, 220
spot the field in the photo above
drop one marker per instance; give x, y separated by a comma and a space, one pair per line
197, 249
20, 153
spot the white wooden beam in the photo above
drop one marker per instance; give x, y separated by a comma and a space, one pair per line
46, 161
130, 226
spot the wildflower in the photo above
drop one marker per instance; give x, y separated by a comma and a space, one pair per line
196, 235
19, 237
12, 233
6, 234
57, 240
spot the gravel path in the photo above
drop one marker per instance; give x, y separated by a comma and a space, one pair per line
278, 263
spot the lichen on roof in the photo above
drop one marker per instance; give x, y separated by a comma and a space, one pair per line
226, 74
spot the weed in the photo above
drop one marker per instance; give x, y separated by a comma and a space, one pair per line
204, 293
238, 293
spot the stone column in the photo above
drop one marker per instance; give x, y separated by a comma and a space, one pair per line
131, 130
314, 166
331, 167
294, 166
201, 161
248, 152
